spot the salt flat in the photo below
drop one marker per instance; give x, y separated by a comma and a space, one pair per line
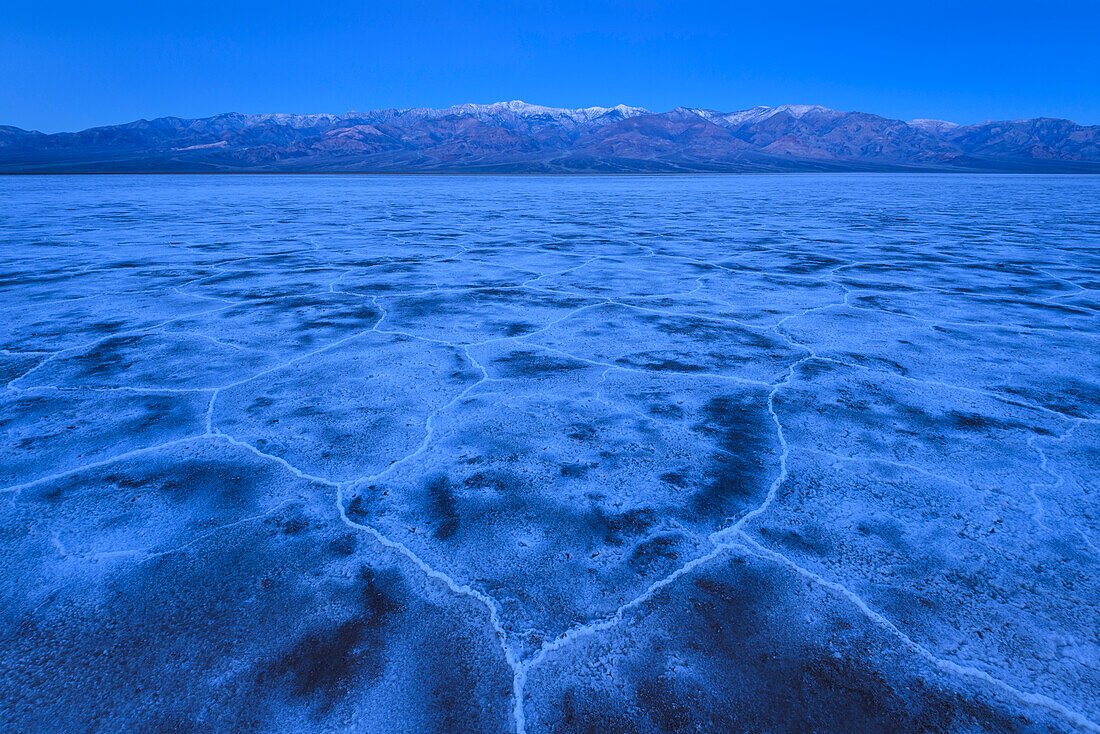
550, 454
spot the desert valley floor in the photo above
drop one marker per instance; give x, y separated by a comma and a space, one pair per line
550, 454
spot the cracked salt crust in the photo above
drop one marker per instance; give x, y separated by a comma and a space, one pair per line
784, 380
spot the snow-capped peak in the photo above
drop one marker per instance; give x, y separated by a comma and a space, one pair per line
933, 125
523, 110
801, 110
761, 113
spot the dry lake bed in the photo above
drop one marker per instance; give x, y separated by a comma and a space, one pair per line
804, 453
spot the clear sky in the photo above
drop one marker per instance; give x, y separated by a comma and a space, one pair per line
67, 66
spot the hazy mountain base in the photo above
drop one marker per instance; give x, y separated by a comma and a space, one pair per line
569, 455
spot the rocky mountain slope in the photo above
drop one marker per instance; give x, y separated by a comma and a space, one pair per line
520, 137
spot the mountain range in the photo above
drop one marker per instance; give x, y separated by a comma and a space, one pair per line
515, 137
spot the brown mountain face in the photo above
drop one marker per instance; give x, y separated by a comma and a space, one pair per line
675, 136
1043, 138
517, 137
844, 136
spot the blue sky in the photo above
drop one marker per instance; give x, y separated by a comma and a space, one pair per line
67, 66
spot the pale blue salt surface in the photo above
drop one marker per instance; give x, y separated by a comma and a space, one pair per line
550, 454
